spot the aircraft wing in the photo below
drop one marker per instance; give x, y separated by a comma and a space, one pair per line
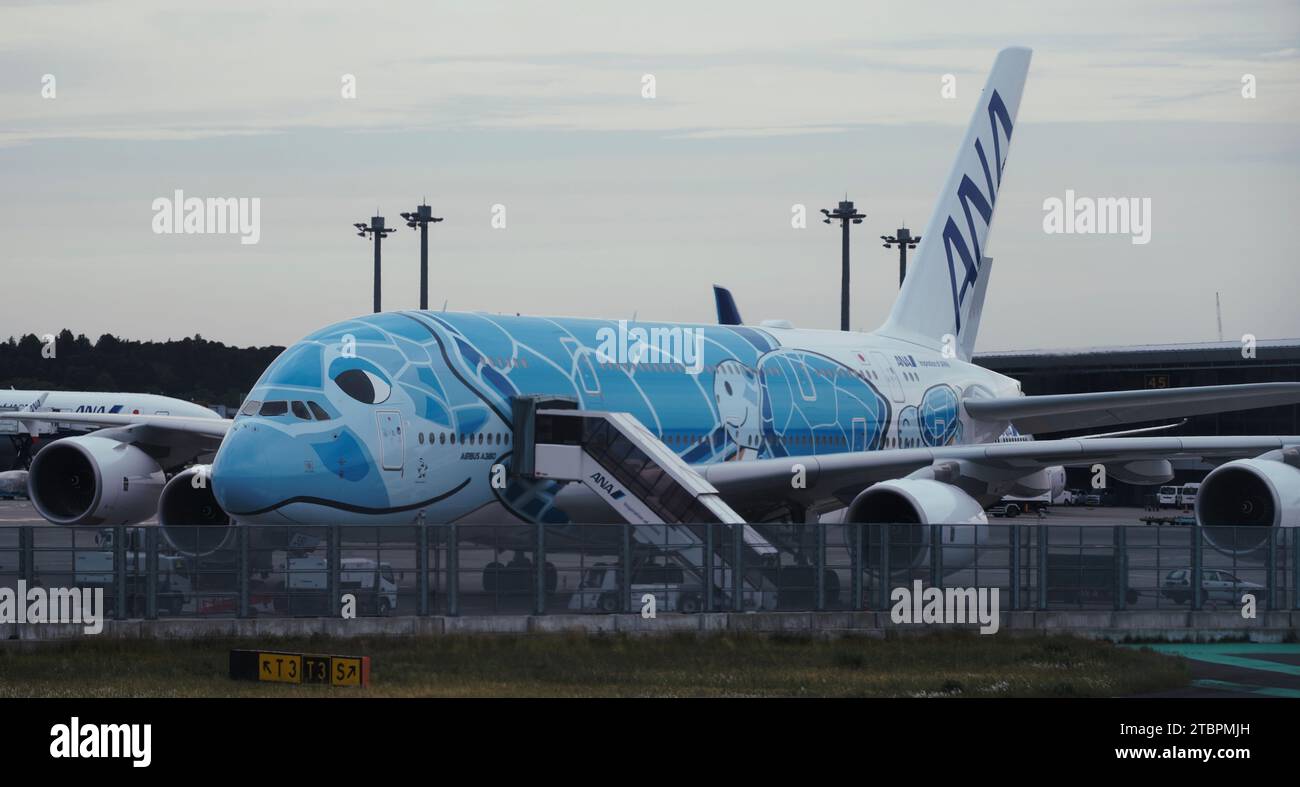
1061, 412
757, 485
138, 428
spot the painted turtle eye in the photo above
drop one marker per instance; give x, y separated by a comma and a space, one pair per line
363, 386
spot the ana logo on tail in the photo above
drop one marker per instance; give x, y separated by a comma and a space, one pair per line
969, 194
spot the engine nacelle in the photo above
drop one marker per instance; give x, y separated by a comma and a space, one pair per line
1144, 472
909, 506
1047, 480
1241, 501
92, 480
188, 513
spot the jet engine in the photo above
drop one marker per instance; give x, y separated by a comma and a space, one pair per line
91, 480
1241, 501
908, 506
189, 516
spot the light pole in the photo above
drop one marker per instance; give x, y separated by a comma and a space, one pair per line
905, 240
376, 229
844, 214
422, 217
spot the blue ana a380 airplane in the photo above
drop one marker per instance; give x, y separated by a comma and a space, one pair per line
407, 416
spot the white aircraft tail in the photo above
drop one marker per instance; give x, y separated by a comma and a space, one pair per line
943, 294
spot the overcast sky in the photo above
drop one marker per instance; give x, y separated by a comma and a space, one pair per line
617, 204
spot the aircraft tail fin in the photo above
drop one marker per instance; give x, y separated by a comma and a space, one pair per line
728, 314
965, 348
942, 295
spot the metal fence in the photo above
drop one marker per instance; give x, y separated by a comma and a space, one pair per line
438, 569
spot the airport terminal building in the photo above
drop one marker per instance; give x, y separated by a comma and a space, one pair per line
1162, 366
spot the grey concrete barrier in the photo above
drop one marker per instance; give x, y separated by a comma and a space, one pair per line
1171, 626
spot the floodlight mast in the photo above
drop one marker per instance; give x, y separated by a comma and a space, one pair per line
422, 217
845, 215
378, 232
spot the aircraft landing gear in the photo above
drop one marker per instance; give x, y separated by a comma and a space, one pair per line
22, 451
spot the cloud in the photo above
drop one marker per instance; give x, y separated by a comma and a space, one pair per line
140, 69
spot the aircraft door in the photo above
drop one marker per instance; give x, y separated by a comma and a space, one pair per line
859, 435
891, 375
390, 438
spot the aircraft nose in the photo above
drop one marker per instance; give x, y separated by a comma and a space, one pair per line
244, 480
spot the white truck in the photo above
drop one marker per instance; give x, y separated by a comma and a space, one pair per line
1167, 496
599, 589
1187, 495
373, 583
94, 568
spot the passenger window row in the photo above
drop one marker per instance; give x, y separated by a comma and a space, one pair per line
804, 440
478, 438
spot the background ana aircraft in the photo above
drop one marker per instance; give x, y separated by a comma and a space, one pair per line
24, 433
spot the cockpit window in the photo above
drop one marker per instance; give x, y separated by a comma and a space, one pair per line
318, 411
274, 408
300, 410
250, 407
366, 387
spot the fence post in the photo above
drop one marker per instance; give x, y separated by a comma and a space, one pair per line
1041, 535
625, 576
119, 572
539, 572
151, 573
737, 586
1295, 569
1014, 562
241, 536
858, 568
422, 569
936, 539
1195, 578
332, 578
820, 566
1270, 574
708, 567
882, 592
936, 545
453, 571
26, 555
1120, 540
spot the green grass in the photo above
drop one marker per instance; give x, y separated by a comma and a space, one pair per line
575, 665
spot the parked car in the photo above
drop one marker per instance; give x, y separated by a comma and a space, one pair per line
1217, 585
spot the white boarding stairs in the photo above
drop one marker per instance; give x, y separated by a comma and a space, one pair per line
650, 486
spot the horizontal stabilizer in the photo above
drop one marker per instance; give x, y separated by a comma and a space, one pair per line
1061, 412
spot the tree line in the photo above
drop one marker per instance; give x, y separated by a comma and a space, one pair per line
194, 369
